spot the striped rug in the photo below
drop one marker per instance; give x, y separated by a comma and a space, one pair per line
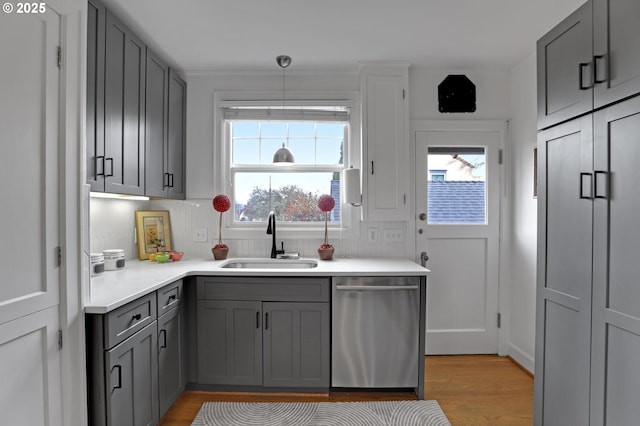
367, 413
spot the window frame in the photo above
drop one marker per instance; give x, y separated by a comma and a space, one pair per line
350, 216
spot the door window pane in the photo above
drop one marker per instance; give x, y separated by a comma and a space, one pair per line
456, 190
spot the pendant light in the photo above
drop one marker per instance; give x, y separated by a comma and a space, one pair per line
283, 156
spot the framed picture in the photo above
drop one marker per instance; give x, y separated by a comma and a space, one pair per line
153, 231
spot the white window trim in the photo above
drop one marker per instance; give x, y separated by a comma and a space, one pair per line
351, 215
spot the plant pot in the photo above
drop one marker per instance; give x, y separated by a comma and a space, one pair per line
325, 253
220, 253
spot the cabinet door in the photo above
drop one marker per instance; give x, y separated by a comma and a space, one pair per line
229, 342
386, 144
131, 369
124, 109
616, 294
565, 68
157, 83
616, 50
296, 344
563, 317
176, 137
171, 358
95, 95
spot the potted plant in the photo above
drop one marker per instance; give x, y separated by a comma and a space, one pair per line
221, 203
326, 203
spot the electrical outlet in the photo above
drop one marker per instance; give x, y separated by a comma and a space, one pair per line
200, 235
373, 234
393, 235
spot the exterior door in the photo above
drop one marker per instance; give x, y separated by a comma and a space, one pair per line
30, 390
458, 223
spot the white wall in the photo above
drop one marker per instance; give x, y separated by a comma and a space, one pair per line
523, 212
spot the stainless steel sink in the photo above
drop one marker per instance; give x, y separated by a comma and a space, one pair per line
270, 264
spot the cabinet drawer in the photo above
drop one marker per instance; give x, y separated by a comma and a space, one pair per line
128, 319
169, 297
284, 289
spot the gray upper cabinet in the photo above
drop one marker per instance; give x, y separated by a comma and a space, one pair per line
123, 162
177, 137
157, 81
96, 14
590, 60
564, 69
165, 130
616, 50
136, 113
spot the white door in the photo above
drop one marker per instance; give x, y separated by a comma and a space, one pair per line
30, 389
457, 223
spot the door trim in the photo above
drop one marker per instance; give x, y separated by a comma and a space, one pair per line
504, 272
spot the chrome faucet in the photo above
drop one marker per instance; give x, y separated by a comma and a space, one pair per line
271, 230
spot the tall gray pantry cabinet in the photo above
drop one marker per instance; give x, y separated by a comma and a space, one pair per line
588, 298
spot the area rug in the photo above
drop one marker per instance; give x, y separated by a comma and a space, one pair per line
383, 413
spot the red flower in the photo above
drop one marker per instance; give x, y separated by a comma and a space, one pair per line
221, 203
326, 203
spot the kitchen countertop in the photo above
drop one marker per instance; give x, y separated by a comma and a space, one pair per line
113, 289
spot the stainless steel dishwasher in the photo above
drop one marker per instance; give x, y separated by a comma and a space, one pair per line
375, 326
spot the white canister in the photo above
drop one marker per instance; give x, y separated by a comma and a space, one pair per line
97, 264
113, 259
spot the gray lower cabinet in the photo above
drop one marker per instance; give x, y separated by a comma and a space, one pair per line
172, 357
271, 332
136, 359
131, 371
229, 342
293, 339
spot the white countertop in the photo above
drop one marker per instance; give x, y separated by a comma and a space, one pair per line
113, 289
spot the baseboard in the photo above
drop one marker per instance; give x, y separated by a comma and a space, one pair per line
522, 359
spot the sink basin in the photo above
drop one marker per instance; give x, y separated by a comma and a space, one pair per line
270, 264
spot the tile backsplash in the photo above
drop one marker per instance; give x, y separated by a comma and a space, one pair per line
112, 225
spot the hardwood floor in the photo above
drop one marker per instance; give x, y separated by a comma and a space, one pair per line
471, 389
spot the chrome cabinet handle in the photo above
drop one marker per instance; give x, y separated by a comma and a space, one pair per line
376, 287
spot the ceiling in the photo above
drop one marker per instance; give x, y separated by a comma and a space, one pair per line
247, 35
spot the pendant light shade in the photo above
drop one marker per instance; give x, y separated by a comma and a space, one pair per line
283, 156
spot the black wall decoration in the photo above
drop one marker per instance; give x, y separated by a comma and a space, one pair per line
456, 93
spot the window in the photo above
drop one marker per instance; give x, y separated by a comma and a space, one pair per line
316, 135
456, 189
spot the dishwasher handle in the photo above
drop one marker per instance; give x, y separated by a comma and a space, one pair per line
376, 287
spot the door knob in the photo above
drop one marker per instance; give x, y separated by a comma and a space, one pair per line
422, 216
